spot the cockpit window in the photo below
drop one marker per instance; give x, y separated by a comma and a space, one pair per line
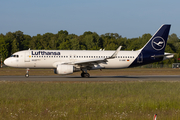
15, 56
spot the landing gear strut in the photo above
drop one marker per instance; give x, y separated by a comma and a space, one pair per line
85, 74
27, 73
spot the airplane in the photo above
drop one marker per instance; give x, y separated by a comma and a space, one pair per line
68, 61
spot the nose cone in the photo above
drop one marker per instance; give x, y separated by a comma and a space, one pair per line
7, 62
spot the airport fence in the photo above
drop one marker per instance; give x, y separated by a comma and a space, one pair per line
176, 65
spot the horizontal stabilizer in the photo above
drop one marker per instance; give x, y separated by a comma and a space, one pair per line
157, 56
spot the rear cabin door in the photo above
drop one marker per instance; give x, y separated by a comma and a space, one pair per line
140, 58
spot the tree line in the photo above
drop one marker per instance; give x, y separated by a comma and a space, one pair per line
16, 41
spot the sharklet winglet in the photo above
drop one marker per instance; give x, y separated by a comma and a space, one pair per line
115, 53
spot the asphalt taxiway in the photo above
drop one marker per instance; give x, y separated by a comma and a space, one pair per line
92, 78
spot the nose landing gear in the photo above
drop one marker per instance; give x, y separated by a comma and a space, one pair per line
27, 73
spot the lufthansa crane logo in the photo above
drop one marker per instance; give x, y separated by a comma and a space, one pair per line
158, 43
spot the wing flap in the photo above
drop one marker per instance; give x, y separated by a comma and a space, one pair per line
90, 61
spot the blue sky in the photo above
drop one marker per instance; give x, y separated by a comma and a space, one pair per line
130, 18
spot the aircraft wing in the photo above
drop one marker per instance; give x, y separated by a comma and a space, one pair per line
91, 61
87, 62
95, 61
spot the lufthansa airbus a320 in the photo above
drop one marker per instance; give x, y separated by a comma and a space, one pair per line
69, 61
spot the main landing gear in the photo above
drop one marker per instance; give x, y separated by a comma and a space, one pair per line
27, 73
85, 74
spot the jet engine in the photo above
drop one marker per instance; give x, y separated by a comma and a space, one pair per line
64, 69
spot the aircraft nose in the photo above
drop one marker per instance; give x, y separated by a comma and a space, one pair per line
7, 62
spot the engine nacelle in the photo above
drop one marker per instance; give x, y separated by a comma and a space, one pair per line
64, 69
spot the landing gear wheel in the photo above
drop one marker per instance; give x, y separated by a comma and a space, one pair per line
26, 75
82, 74
86, 75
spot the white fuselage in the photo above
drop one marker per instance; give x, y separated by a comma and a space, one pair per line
50, 58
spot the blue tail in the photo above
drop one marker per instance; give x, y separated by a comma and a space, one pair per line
157, 43
153, 51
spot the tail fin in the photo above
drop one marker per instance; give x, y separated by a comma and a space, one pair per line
158, 41
155, 116
153, 51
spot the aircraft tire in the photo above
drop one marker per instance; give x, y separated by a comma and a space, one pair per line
26, 75
86, 75
82, 74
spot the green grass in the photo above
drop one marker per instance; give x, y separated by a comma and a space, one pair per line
89, 100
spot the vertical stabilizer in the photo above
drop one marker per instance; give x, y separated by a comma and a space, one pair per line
158, 41
154, 49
